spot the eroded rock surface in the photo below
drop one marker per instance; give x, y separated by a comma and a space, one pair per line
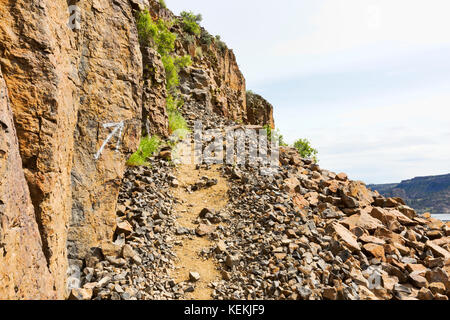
23, 268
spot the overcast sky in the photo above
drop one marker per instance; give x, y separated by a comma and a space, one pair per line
367, 81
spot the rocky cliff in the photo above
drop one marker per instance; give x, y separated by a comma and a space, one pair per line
24, 273
78, 88
81, 89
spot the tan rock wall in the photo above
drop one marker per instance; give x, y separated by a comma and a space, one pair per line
259, 111
23, 268
37, 62
110, 73
65, 85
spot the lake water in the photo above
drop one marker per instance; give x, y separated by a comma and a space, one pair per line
443, 216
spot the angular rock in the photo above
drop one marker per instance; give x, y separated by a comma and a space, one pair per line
346, 236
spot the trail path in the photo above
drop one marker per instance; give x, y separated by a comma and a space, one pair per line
187, 211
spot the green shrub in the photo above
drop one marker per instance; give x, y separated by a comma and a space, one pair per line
183, 62
276, 134
190, 22
176, 121
163, 4
172, 79
173, 67
173, 104
206, 38
156, 30
189, 38
199, 52
165, 40
220, 44
147, 147
147, 28
305, 150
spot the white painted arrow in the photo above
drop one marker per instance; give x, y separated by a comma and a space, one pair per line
117, 126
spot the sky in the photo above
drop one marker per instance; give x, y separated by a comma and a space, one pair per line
366, 81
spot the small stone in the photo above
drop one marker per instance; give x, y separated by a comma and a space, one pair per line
375, 250
124, 227
181, 231
204, 212
371, 239
434, 262
189, 289
437, 287
128, 252
226, 275
232, 260
103, 281
120, 241
439, 296
137, 260
418, 280
221, 247
437, 250
304, 292
203, 230
110, 249
425, 294
291, 233
166, 155
194, 276
80, 294
346, 236
330, 293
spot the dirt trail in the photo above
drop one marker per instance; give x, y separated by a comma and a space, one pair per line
189, 259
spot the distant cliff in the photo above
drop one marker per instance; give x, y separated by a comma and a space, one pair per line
425, 194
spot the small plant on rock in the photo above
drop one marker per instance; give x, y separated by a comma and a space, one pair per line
206, 38
276, 134
147, 148
305, 149
191, 22
220, 44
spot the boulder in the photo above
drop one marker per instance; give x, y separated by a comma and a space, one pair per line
347, 237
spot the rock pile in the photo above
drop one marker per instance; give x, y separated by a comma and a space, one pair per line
137, 263
302, 233
308, 233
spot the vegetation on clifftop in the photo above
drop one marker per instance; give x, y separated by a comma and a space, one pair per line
191, 22
156, 33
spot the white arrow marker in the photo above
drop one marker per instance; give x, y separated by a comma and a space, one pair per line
117, 126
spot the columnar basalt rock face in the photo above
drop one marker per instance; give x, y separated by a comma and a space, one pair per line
214, 80
259, 110
110, 72
154, 113
37, 65
23, 268
65, 85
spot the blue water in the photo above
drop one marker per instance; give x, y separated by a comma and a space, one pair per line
443, 216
